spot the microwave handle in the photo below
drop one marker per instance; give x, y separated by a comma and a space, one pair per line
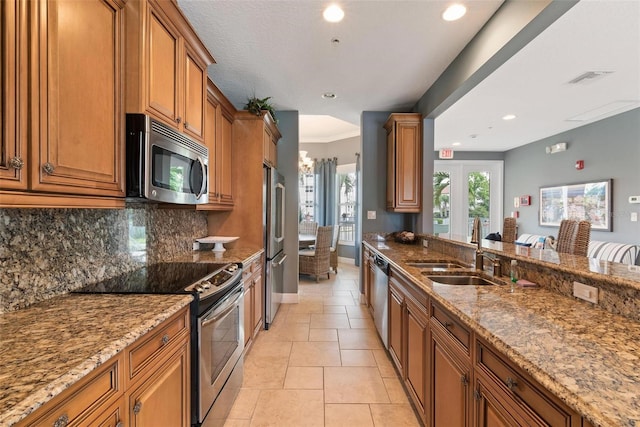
204, 180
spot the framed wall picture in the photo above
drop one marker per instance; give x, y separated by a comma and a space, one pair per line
588, 200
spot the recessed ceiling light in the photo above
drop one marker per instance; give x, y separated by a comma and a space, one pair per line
333, 13
509, 117
455, 144
329, 95
454, 12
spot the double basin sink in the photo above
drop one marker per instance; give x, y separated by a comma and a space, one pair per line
457, 273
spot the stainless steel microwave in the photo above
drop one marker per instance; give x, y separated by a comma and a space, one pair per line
164, 165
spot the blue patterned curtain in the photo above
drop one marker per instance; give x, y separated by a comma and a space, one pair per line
325, 191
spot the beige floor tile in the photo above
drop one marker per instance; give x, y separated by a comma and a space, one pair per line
359, 311
244, 404
298, 318
362, 324
264, 348
339, 300
346, 284
359, 339
307, 307
323, 335
315, 354
354, 385
335, 309
329, 321
286, 333
394, 415
385, 365
267, 373
357, 358
281, 408
237, 423
395, 390
347, 415
304, 378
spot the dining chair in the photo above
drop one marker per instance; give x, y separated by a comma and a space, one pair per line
308, 227
333, 250
316, 261
509, 230
567, 236
583, 235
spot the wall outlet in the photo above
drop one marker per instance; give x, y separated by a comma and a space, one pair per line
425, 243
587, 293
196, 246
634, 216
371, 214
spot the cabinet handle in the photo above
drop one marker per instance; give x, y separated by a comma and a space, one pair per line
17, 163
137, 408
120, 424
448, 324
511, 383
62, 421
48, 168
463, 380
165, 339
476, 394
178, 120
186, 124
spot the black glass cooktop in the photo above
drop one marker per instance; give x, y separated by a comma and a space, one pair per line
162, 278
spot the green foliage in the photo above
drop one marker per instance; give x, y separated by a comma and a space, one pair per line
479, 195
440, 182
256, 106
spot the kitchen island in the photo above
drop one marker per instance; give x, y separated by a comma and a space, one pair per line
586, 356
50, 346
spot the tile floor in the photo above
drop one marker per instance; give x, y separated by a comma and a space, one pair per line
321, 364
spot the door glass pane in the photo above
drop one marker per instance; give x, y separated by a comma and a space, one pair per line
441, 204
479, 201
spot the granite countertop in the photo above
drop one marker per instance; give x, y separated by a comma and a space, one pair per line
240, 255
588, 357
47, 347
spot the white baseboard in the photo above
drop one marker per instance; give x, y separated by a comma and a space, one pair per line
290, 298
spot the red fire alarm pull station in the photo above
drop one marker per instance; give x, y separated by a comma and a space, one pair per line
580, 165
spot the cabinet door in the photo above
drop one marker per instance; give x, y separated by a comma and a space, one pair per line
195, 82
112, 417
408, 169
396, 327
224, 159
13, 94
266, 147
163, 68
248, 312
163, 399
417, 350
391, 168
210, 136
258, 303
493, 408
450, 385
77, 123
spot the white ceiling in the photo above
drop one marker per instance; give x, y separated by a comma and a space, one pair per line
390, 52
594, 35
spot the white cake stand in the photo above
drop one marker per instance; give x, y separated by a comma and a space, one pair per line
218, 241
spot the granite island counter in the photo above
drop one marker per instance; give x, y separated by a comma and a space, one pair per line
588, 357
48, 347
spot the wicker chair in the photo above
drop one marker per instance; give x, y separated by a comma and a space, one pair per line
308, 227
581, 246
509, 230
567, 236
316, 261
333, 250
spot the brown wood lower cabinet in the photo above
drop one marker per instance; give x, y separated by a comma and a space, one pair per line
417, 351
253, 300
397, 326
157, 394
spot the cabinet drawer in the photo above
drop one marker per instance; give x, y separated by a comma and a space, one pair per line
146, 352
84, 398
451, 325
523, 390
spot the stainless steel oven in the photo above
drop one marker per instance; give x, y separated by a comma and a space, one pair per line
220, 347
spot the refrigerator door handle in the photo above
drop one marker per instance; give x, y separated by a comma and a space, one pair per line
276, 264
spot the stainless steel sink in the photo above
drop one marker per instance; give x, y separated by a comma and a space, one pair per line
461, 280
438, 266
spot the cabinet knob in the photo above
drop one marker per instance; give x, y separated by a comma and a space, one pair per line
17, 163
62, 421
463, 380
511, 383
137, 408
120, 424
48, 168
178, 120
165, 339
448, 324
476, 394
186, 124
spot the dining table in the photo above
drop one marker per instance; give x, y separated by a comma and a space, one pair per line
306, 240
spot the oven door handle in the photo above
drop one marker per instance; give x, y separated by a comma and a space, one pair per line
228, 307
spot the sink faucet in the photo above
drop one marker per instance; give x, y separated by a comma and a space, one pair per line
475, 238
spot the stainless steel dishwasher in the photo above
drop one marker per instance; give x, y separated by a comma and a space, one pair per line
379, 298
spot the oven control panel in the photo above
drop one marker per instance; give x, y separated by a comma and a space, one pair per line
217, 281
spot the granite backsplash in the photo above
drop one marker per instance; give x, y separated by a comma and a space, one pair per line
46, 252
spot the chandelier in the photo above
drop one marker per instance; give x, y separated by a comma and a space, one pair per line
305, 164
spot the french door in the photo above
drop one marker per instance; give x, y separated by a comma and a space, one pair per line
463, 190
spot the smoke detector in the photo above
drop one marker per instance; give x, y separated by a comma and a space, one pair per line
589, 77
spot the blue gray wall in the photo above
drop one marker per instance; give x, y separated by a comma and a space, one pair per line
610, 148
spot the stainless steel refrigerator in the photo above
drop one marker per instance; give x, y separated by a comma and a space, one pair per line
273, 232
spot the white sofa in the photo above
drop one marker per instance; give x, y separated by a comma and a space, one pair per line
607, 251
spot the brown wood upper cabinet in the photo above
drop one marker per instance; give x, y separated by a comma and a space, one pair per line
270, 139
73, 106
404, 162
166, 66
218, 138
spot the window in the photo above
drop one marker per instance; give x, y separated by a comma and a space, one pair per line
346, 182
306, 191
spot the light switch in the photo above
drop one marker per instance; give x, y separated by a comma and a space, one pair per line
371, 214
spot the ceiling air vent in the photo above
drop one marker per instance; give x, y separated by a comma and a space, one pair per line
589, 77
